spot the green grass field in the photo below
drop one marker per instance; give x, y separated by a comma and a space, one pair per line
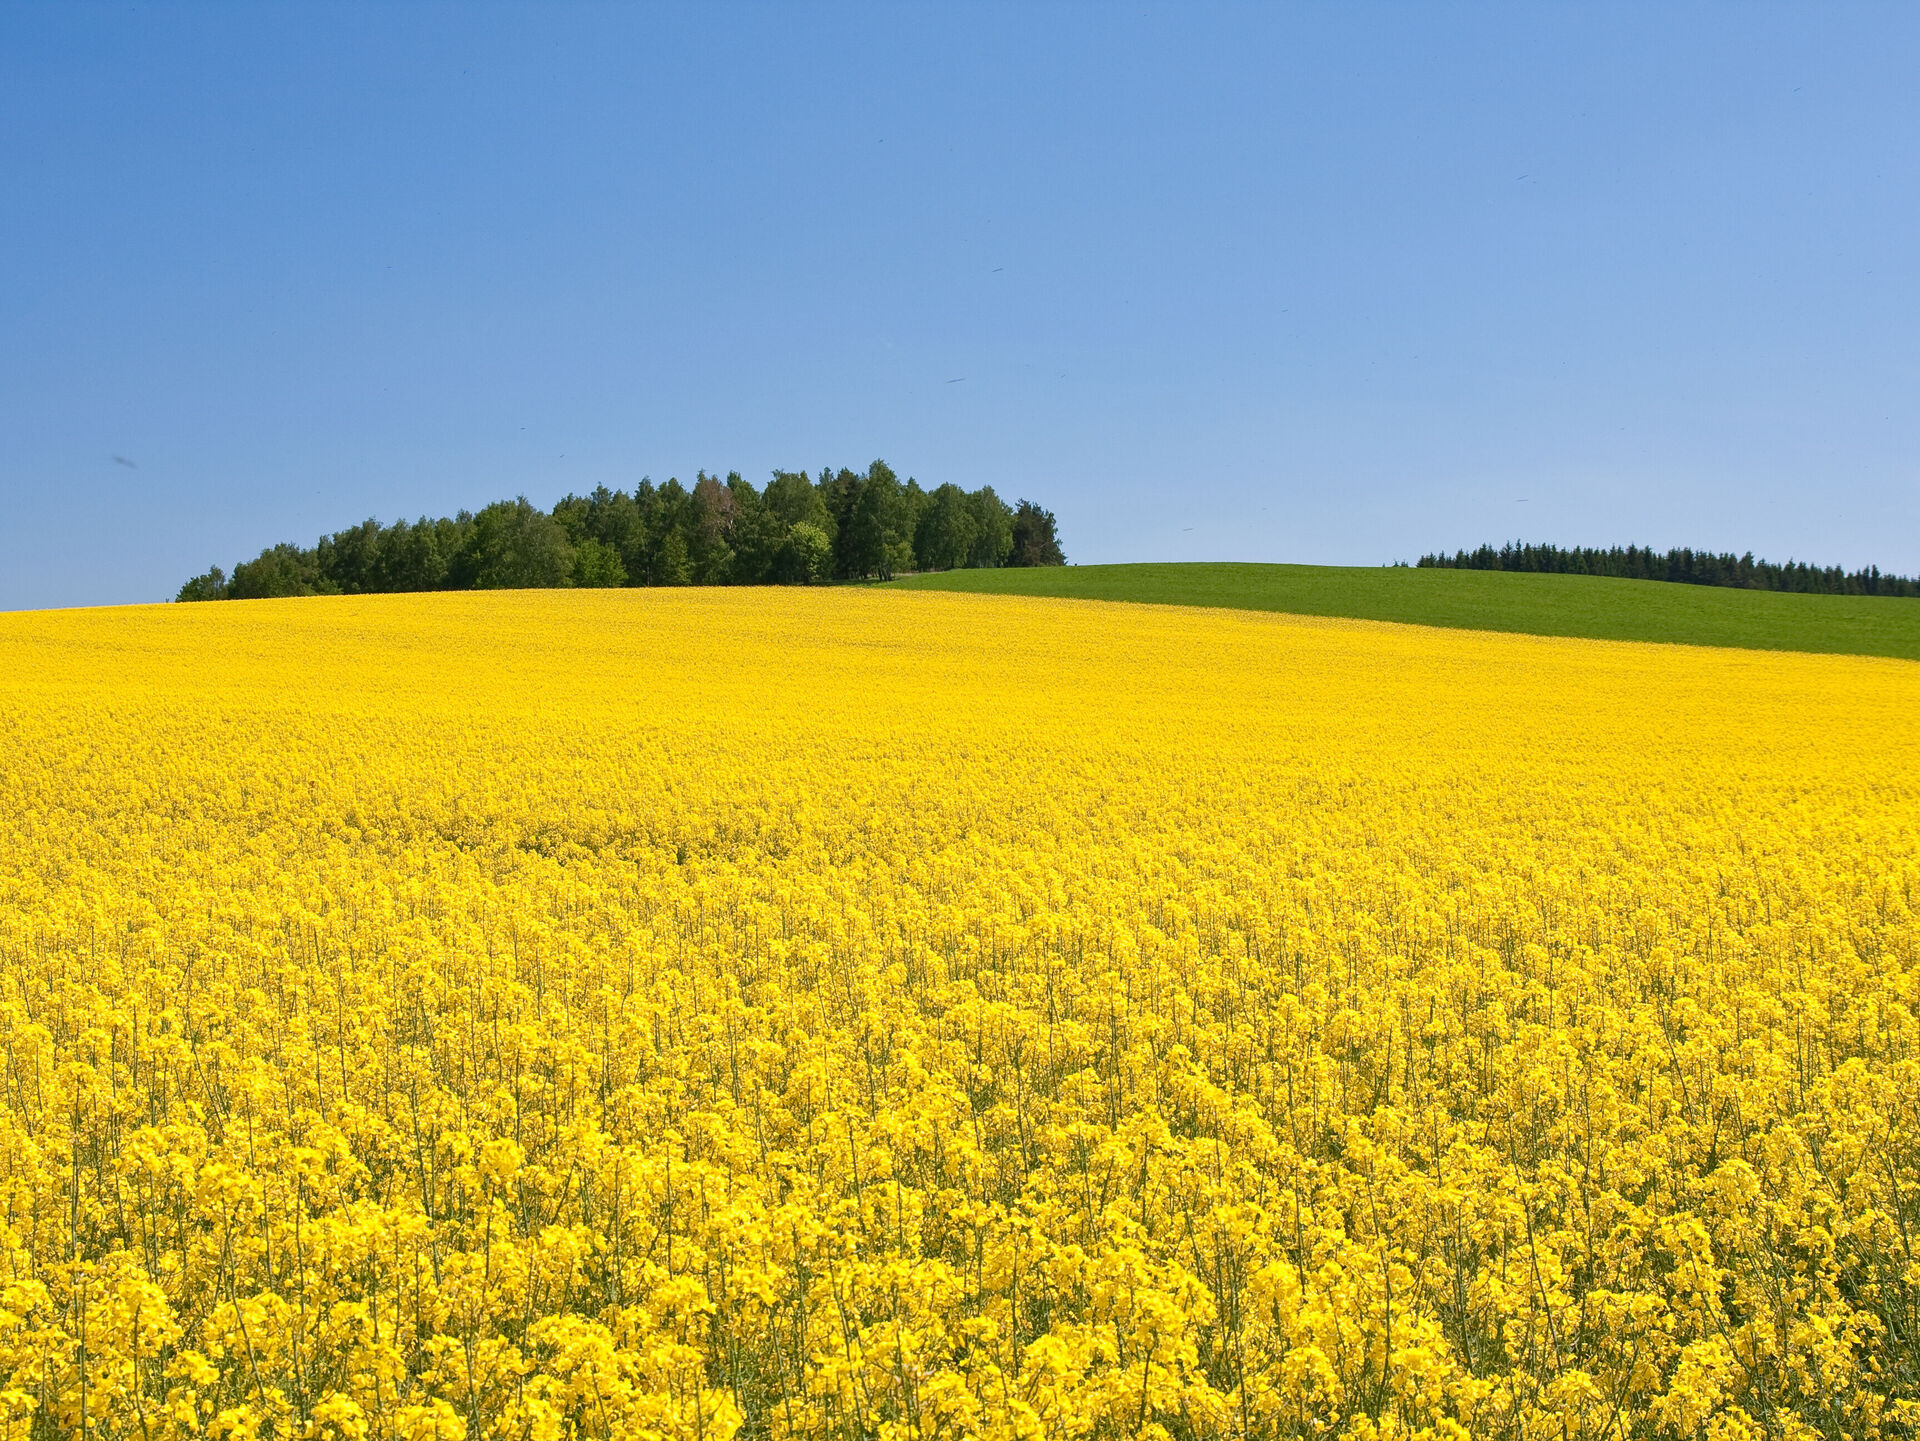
1574, 605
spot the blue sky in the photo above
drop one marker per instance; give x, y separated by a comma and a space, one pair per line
1311, 283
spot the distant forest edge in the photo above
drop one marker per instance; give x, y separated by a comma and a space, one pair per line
847, 525
1688, 567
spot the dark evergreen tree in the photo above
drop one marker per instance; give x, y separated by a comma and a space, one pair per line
667, 520
1035, 538
630, 530
710, 516
873, 540
1686, 567
994, 540
906, 526
840, 494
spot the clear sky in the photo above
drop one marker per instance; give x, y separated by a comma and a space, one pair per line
1307, 283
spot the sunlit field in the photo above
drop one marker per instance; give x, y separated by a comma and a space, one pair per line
1526, 604
839, 1013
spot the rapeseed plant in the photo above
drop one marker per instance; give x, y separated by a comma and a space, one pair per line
840, 1014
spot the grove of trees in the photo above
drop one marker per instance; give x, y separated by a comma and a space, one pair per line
845, 525
1690, 567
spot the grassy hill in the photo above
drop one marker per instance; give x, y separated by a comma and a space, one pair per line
1573, 605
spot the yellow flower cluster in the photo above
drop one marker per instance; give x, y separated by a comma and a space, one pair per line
844, 1014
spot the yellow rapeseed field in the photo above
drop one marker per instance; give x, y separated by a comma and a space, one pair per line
846, 1014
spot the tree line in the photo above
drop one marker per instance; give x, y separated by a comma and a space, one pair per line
846, 525
1689, 567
